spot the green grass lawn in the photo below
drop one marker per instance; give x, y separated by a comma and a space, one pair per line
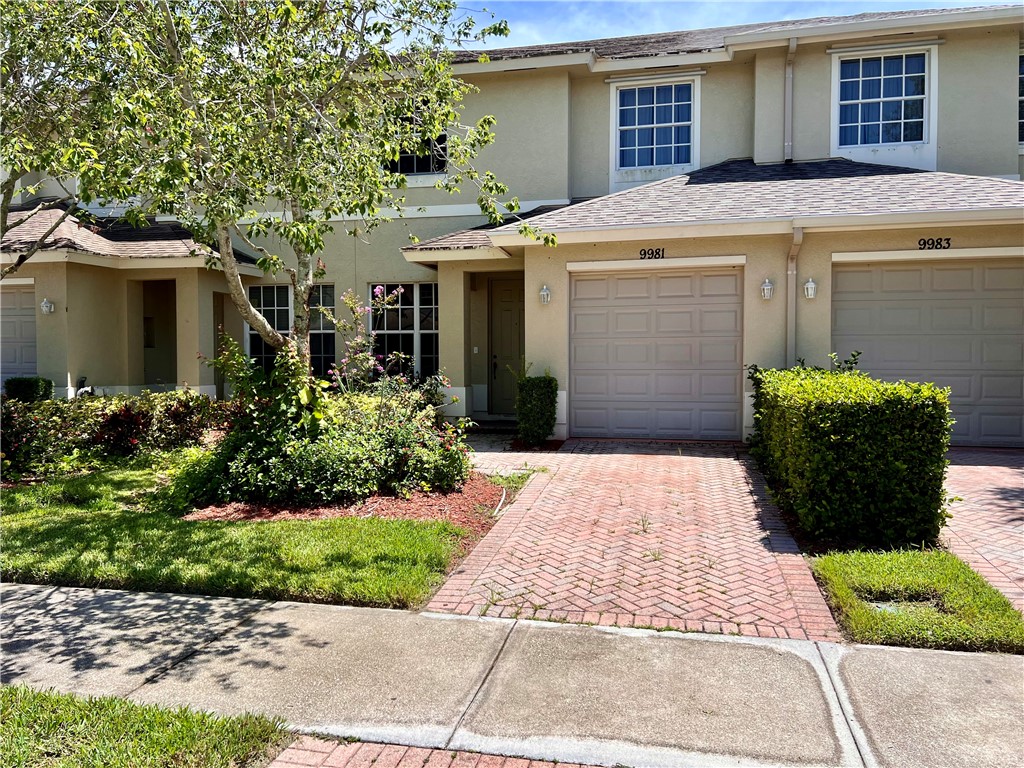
922, 599
104, 530
51, 730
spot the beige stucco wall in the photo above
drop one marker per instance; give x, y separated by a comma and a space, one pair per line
764, 322
726, 121
96, 328
977, 75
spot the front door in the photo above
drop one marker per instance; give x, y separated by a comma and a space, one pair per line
507, 337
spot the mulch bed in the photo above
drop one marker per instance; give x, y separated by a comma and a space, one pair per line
548, 446
471, 508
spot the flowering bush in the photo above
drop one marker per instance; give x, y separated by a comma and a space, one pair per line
123, 428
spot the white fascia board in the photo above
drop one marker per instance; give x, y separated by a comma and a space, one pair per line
948, 218
765, 226
585, 58
433, 256
652, 231
661, 62
827, 32
120, 262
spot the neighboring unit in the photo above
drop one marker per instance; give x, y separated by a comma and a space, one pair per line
759, 194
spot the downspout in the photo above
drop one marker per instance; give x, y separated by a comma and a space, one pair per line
787, 105
794, 251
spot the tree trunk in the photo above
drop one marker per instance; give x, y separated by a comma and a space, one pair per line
236, 291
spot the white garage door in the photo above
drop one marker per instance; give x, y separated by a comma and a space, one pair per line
17, 332
656, 354
958, 324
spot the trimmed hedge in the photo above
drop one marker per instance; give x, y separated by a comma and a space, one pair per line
861, 462
536, 398
28, 389
41, 436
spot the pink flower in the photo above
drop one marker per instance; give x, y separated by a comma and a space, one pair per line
378, 291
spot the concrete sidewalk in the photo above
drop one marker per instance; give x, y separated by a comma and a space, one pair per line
539, 690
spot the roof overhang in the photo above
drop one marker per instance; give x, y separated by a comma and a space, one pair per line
67, 256
769, 38
764, 226
435, 255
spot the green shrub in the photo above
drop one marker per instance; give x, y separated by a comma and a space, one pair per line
56, 435
859, 461
536, 398
28, 389
296, 441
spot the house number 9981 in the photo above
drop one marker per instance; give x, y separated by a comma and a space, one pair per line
652, 253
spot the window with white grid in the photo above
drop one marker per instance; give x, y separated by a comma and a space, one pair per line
655, 125
274, 302
409, 326
883, 99
1020, 99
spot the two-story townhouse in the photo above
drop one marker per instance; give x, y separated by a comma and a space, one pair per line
745, 195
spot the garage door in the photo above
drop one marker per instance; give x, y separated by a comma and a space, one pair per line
958, 324
656, 354
17, 332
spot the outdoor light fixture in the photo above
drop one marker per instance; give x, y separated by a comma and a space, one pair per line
767, 289
810, 288
545, 295
46, 307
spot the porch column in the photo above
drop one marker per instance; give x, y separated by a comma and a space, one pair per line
192, 326
452, 292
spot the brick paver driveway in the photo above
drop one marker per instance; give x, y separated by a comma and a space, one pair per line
641, 534
987, 527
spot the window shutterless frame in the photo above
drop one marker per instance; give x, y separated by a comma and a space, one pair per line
274, 302
409, 326
884, 105
654, 128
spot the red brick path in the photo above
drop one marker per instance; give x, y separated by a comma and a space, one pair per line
987, 527
309, 751
662, 535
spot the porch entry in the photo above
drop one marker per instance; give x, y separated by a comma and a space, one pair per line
159, 334
506, 343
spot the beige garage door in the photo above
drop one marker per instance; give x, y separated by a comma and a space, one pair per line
17, 332
958, 324
656, 354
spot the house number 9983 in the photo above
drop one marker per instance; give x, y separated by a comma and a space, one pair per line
652, 253
934, 243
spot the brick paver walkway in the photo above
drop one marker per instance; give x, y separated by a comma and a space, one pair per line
309, 751
643, 534
987, 527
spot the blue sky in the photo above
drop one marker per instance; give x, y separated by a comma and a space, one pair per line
551, 21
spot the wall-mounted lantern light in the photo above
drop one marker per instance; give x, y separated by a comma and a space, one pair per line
810, 288
545, 295
46, 307
767, 289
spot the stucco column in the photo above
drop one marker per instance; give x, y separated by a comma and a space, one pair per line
452, 292
547, 325
52, 330
188, 329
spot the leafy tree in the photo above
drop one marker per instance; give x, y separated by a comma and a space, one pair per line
279, 119
64, 120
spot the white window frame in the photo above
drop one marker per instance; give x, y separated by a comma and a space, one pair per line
1020, 100
291, 311
917, 154
417, 332
624, 178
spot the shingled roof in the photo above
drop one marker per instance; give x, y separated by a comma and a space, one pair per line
694, 40
162, 240
739, 190
476, 237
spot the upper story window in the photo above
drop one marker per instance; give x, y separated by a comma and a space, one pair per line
433, 159
882, 99
655, 125
884, 105
654, 128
